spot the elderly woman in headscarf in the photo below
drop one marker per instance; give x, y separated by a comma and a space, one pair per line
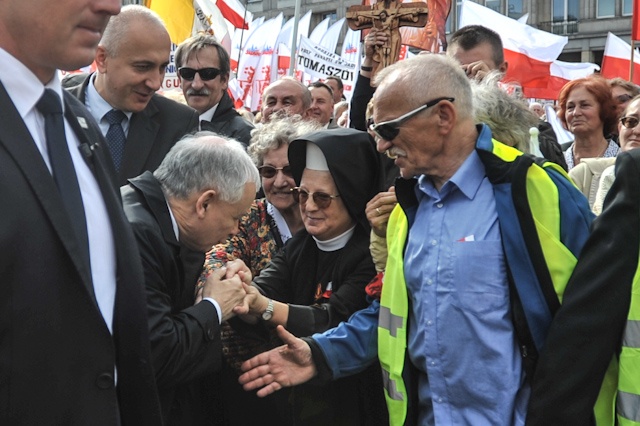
319, 278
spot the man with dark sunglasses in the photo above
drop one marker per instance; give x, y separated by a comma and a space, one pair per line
140, 126
203, 69
478, 256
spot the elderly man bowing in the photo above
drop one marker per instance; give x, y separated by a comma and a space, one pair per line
192, 201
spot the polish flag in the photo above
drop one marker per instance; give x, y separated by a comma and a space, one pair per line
560, 74
617, 59
234, 12
529, 51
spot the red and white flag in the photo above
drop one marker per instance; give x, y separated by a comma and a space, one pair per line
234, 12
617, 59
254, 70
560, 74
529, 51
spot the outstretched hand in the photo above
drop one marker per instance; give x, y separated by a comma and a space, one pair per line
288, 365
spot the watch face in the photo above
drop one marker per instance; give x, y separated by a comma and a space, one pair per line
267, 315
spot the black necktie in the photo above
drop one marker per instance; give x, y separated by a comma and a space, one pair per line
64, 173
115, 136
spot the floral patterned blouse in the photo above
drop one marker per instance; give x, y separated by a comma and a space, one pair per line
257, 241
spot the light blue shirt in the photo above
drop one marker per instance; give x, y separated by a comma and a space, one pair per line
99, 107
461, 337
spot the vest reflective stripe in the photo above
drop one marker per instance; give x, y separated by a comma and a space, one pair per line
631, 337
391, 387
389, 321
392, 329
628, 401
628, 407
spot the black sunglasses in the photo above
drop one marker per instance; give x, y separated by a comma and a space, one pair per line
321, 199
388, 130
629, 122
269, 171
206, 74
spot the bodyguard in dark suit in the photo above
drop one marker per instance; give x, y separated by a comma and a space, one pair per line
203, 70
131, 59
191, 202
73, 338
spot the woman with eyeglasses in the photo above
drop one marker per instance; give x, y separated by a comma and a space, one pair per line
587, 110
319, 278
629, 137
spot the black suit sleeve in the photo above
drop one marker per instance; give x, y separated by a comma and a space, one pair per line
185, 344
587, 330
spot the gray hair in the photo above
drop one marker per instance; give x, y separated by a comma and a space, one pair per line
426, 77
195, 45
116, 31
276, 133
508, 118
203, 161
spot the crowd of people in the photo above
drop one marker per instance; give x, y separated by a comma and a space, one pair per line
411, 256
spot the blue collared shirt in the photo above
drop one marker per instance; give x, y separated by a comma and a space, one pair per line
461, 337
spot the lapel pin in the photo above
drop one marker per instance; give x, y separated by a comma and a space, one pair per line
83, 123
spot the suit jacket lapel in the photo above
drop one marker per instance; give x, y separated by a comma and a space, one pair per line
21, 147
142, 135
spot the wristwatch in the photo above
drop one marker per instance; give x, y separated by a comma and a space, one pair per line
268, 313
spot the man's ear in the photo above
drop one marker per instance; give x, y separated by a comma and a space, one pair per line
503, 68
446, 115
224, 79
101, 59
205, 202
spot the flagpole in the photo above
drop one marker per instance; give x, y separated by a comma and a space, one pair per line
244, 20
633, 48
294, 41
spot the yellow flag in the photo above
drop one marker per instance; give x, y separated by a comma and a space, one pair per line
178, 16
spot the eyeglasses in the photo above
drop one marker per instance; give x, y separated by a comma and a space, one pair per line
623, 98
388, 130
630, 122
268, 172
321, 199
206, 74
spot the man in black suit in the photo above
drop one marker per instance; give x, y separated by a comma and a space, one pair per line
192, 201
203, 70
73, 326
131, 60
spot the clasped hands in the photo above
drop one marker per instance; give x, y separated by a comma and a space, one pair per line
231, 287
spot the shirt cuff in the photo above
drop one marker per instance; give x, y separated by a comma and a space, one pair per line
215, 305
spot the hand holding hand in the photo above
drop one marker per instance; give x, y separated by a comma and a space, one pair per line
287, 365
227, 292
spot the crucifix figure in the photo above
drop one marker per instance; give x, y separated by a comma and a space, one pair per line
388, 16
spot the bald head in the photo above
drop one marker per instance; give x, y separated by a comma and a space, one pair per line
287, 95
119, 26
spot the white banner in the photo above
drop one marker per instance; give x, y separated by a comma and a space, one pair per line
320, 63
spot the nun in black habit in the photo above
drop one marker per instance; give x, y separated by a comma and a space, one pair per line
319, 278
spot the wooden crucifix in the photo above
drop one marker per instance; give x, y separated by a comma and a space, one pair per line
388, 16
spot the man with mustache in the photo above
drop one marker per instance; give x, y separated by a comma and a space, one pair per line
203, 70
139, 125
